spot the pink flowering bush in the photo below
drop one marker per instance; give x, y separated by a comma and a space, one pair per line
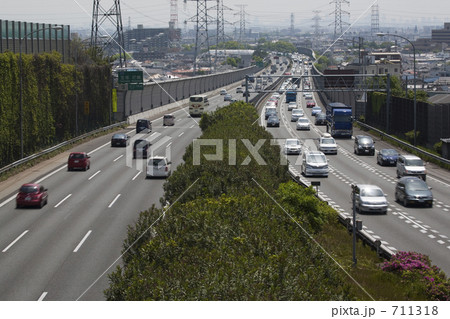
415, 266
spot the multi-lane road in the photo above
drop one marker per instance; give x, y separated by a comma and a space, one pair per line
64, 250
420, 229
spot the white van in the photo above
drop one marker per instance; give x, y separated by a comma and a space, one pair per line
197, 104
168, 120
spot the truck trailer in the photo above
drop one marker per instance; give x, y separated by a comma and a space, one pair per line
339, 119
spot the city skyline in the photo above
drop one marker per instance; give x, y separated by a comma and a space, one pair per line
262, 13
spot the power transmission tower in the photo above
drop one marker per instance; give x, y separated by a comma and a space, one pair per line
338, 12
114, 43
316, 26
292, 24
173, 23
242, 14
201, 35
375, 27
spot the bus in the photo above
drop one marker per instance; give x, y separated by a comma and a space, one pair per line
197, 104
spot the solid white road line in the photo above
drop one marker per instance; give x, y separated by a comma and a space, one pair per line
8, 200
82, 241
112, 203
15, 241
100, 147
56, 206
118, 158
94, 175
50, 174
43, 296
139, 173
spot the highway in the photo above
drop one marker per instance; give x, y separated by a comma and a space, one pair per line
64, 250
424, 230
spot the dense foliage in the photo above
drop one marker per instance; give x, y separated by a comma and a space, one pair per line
49, 93
225, 238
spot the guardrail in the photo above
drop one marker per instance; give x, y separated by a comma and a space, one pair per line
437, 158
54, 148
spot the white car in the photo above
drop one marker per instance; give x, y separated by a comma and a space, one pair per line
296, 114
223, 92
291, 106
292, 146
369, 198
303, 124
158, 166
327, 144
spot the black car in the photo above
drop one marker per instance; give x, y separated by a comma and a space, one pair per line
412, 189
140, 148
364, 145
273, 121
321, 119
143, 126
387, 156
119, 139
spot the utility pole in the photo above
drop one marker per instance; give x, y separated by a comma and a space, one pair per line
114, 43
338, 12
201, 34
220, 30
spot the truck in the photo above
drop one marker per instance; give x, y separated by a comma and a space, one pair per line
291, 96
339, 119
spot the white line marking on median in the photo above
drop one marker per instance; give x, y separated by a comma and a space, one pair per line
112, 203
15, 241
43, 296
137, 175
82, 241
404, 216
56, 206
94, 175
118, 158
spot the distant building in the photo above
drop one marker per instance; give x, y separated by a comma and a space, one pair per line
441, 35
154, 39
384, 63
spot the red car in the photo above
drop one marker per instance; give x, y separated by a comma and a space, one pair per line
78, 160
310, 104
32, 195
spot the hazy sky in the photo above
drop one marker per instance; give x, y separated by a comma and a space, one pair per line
155, 13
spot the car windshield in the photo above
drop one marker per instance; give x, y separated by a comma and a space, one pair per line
140, 143
414, 162
273, 118
371, 192
302, 120
389, 152
196, 99
28, 189
342, 118
416, 185
292, 142
327, 141
316, 158
76, 156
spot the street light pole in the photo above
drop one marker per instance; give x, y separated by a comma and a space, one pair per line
21, 81
414, 70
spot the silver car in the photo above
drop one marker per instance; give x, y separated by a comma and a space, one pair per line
303, 124
292, 146
296, 114
369, 198
314, 163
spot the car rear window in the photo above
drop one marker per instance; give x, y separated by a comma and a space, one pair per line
316, 158
158, 162
414, 162
371, 192
28, 189
76, 156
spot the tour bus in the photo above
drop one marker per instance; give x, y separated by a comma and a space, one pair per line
197, 104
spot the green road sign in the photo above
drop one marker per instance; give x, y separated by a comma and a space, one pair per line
131, 76
135, 86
